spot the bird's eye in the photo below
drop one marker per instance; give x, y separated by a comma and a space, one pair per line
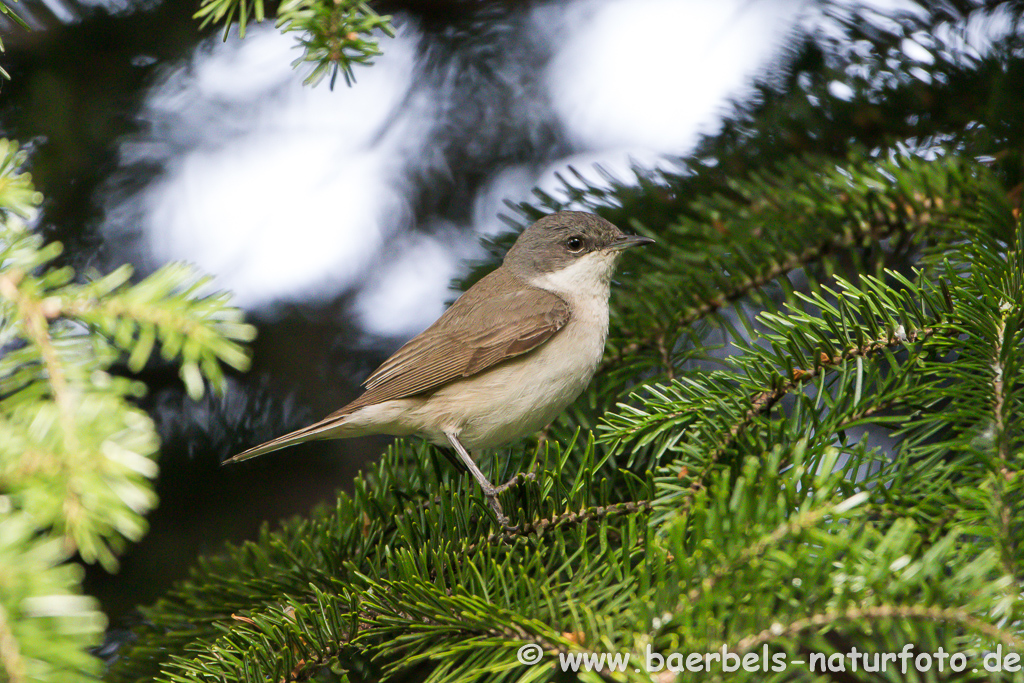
574, 244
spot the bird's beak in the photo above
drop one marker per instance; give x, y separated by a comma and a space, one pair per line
627, 241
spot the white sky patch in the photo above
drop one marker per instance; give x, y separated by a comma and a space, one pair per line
841, 91
64, 13
409, 290
275, 219
656, 74
916, 50
282, 191
513, 184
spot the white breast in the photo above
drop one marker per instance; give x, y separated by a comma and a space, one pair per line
524, 394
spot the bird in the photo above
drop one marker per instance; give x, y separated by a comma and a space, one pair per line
504, 360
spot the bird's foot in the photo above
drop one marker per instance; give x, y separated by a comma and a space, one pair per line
490, 491
491, 494
515, 481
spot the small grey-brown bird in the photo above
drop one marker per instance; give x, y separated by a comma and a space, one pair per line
504, 360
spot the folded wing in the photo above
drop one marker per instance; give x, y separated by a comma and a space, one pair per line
488, 324
494, 321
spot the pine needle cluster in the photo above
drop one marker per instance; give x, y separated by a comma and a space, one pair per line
334, 35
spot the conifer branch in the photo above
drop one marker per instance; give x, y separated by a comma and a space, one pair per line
742, 289
35, 316
36, 325
859, 415
764, 401
76, 455
880, 218
567, 519
795, 525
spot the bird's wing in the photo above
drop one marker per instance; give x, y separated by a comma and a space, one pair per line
468, 338
486, 325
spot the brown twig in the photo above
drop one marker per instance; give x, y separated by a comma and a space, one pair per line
1004, 514
568, 518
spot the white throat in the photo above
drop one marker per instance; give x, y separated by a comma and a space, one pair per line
585, 279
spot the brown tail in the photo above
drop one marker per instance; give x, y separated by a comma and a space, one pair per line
317, 430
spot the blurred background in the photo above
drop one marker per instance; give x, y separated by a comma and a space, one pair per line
340, 218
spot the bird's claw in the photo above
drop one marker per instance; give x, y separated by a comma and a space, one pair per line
515, 481
491, 493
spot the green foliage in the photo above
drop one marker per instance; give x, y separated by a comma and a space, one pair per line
6, 11
332, 35
806, 438
763, 524
76, 456
752, 533
335, 34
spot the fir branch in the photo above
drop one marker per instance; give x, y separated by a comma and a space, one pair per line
764, 401
76, 456
793, 526
868, 411
335, 34
567, 519
829, 209
35, 315
829, 243
332, 35
518, 479
168, 306
312, 660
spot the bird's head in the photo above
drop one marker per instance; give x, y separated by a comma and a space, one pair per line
569, 250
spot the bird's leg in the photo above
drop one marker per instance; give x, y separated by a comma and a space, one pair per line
490, 493
456, 461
